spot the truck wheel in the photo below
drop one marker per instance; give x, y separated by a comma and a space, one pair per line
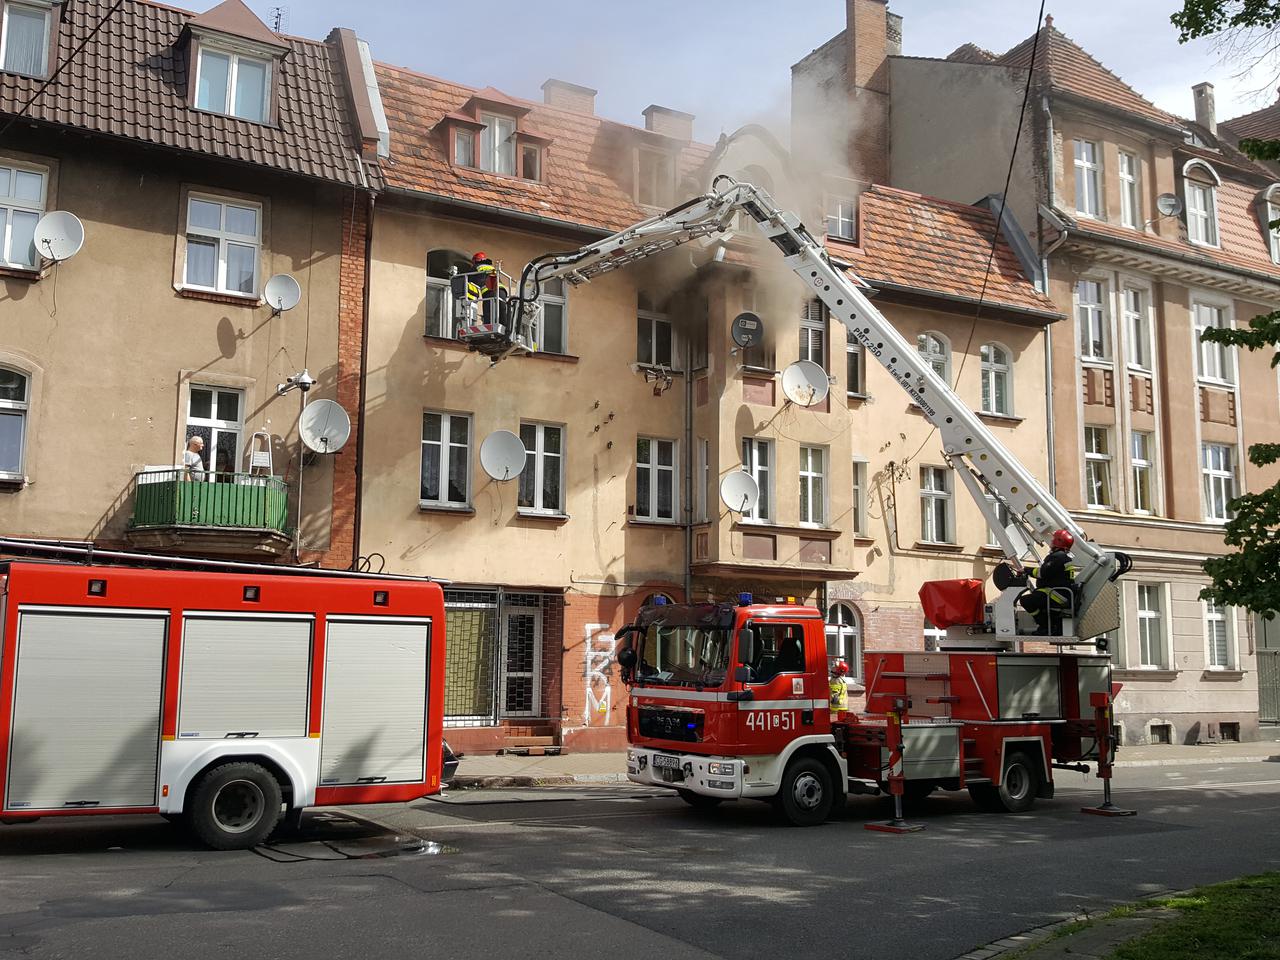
698, 801
235, 806
807, 795
1017, 790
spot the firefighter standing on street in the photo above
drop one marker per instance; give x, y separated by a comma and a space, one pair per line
1054, 581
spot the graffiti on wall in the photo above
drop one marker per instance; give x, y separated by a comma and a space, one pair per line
598, 642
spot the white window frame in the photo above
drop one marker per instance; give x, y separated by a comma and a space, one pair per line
816, 515
1001, 509
1095, 460
813, 332
1088, 179
660, 195
844, 626
1213, 613
935, 496
936, 350
855, 386
523, 152
561, 300
657, 470
223, 238
859, 497
702, 485
993, 371
1093, 316
46, 12
448, 450
1130, 199
1218, 474
539, 456
10, 203
233, 74
1140, 467
762, 512
654, 318
1271, 211
21, 409
463, 135
490, 157
841, 214
1201, 204
1148, 613
1215, 362
216, 427
1137, 325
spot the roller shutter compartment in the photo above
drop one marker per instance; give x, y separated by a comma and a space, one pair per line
86, 711
375, 702
244, 676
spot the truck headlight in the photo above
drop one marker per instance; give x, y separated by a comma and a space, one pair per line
720, 769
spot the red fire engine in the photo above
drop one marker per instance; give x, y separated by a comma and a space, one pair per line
733, 701
227, 695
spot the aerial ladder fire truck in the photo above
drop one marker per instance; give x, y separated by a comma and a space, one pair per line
733, 700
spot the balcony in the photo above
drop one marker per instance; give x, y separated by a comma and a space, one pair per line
221, 514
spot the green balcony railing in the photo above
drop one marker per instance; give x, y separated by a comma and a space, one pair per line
166, 498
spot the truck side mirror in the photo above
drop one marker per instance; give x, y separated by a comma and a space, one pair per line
626, 658
742, 674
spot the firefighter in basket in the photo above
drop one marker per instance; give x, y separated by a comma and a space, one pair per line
839, 688
485, 284
1054, 593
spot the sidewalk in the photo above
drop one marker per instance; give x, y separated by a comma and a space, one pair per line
512, 771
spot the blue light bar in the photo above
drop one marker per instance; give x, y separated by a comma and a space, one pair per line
744, 599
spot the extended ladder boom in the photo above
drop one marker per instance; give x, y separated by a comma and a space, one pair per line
985, 467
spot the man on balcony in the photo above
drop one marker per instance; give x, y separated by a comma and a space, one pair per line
192, 462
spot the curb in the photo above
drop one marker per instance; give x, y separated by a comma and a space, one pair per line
504, 781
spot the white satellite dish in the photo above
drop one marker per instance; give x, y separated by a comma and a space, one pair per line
281, 293
324, 426
59, 235
1169, 204
739, 491
502, 455
805, 382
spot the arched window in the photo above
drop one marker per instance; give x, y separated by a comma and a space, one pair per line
655, 598
997, 380
934, 348
1200, 183
15, 399
844, 637
439, 302
1269, 213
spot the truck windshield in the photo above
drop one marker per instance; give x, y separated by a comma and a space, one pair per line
684, 655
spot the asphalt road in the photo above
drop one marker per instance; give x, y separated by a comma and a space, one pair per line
612, 872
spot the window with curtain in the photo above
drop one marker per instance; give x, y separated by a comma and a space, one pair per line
1200, 187
233, 84
757, 460
25, 40
997, 375
22, 198
14, 407
224, 239
542, 480
656, 472
1097, 467
813, 333
1215, 359
1091, 313
935, 505
813, 485
446, 460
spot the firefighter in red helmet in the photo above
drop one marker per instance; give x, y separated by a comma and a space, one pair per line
1055, 580
486, 286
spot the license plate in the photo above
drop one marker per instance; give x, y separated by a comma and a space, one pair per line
661, 760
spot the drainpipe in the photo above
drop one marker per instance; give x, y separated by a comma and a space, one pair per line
688, 477
364, 372
1044, 275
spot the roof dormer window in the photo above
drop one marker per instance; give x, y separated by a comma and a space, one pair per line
1201, 182
498, 144
489, 132
1269, 213
233, 84
24, 38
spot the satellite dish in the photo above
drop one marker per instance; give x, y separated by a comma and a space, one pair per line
502, 455
281, 293
739, 491
59, 235
805, 383
1169, 204
747, 330
324, 426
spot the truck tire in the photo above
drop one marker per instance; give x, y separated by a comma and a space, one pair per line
698, 801
1017, 790
234, 806
807, 793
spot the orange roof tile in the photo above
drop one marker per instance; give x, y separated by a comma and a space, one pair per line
1069, 68
1262, 124
587, 171
936, 246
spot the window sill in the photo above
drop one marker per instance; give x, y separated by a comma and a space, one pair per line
1229, 675
758, 371
1205, 244
21, 273
991, 550
1098, 363
645, 522
938, 547
426, 506
13, 481
554, 357
862, 540
800, 529
551, 519
1007, 418
1215, 382
446, 342
238, 299
857, 397
658, 368
231, 116
462, 170
1141, 673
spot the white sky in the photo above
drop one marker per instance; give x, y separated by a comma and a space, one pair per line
728, 61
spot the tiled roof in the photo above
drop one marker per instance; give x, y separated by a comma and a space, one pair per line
970, 53
1069, 68
1262, 124
587, 171
936, 246
130, 81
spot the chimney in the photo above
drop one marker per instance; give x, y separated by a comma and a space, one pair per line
670, 122
569, 96
867, 38
1203, 93
867, 45
893, 28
